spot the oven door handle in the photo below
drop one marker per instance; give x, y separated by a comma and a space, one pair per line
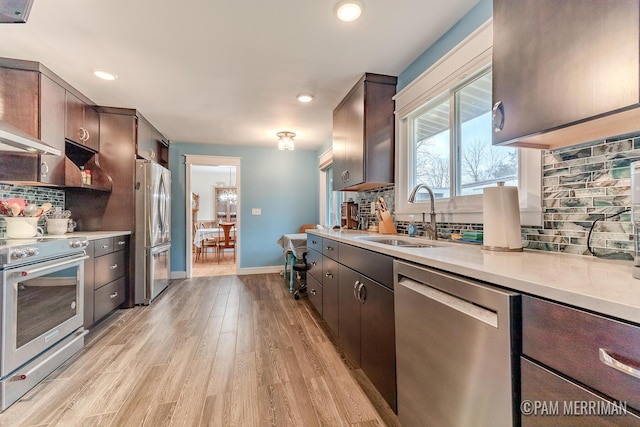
25, 375
50, 266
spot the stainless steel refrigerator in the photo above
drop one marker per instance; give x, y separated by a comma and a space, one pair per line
152, 230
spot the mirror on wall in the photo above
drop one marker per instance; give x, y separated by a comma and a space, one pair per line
226, 201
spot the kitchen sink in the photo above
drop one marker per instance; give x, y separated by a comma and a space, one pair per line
398, 242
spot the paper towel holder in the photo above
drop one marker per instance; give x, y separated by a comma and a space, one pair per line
502, 248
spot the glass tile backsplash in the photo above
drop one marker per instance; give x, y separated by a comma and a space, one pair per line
38, 195
580, 184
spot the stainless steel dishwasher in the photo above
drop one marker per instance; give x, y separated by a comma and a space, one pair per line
457, 351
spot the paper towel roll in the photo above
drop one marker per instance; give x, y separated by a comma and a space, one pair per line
501, 218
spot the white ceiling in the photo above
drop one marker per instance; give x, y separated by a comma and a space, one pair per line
217, 72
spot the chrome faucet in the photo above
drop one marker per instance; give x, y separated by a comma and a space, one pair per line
431, 230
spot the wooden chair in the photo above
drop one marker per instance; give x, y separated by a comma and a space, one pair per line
305, 227
209, 242
227, 240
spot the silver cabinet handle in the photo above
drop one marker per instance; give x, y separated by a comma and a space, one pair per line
87, 135
313, 242
152, 153
44, 169
610, 361
114, 266
329, 248
498, 108
362, 296
346, 176
104, 246
313, 291
113, 295
313, 264
121, 242
329, 275
355, 289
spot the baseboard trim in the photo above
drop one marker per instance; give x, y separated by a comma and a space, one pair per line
259, 270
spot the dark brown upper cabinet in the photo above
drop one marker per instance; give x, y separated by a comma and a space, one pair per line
82, 123
565, 72
364, 135
34, 103
151, 144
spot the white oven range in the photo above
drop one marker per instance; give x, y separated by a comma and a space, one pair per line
41, 311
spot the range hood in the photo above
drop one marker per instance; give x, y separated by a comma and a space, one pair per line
14, 139
15, 11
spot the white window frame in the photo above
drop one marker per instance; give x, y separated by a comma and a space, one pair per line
468, 58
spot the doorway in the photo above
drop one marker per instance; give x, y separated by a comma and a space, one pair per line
213, 215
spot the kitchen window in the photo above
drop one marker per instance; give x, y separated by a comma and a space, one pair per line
444, 134
450, 143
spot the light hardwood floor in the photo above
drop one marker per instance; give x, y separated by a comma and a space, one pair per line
208, 265
219, 351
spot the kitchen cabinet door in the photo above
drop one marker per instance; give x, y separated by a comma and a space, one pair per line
89, 280
82, 123
377, 338
52, 105
92, 126
330, 293
561, 63
364, 135
19, 99
349, 313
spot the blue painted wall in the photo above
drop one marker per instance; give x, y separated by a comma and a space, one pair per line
465, 26
284, 184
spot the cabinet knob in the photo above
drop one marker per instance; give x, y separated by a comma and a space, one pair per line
121, 243
329, 248
313, 291
498, 122
313, 264
313, 242
114, 266
104, 246
329, 275
113, 295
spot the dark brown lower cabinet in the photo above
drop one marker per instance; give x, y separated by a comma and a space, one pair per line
106, 276
578, 368
549, 399
367, 329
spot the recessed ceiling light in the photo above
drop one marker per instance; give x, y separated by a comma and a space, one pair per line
305, 97
104, 75
348, 11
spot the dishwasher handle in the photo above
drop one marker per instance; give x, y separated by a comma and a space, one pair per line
485, 315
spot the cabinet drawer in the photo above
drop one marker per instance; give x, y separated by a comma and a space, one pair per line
314, 242
314, 259
109, 268
563, 400
120, 243
104, 246
572, 342
374, 265
330, 248
314, 290
109, 297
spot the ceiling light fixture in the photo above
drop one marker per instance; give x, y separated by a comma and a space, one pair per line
305, 97
285, 141
104, 75
348, 11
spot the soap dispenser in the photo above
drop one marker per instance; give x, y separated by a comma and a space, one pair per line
412, 227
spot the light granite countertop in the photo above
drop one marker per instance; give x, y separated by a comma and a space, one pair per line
600, 285
94, 235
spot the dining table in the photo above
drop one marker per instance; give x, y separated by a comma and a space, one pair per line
204, 233
294, 246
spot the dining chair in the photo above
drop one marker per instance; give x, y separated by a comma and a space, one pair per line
226, 240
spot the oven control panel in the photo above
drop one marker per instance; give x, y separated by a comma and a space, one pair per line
23, 253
